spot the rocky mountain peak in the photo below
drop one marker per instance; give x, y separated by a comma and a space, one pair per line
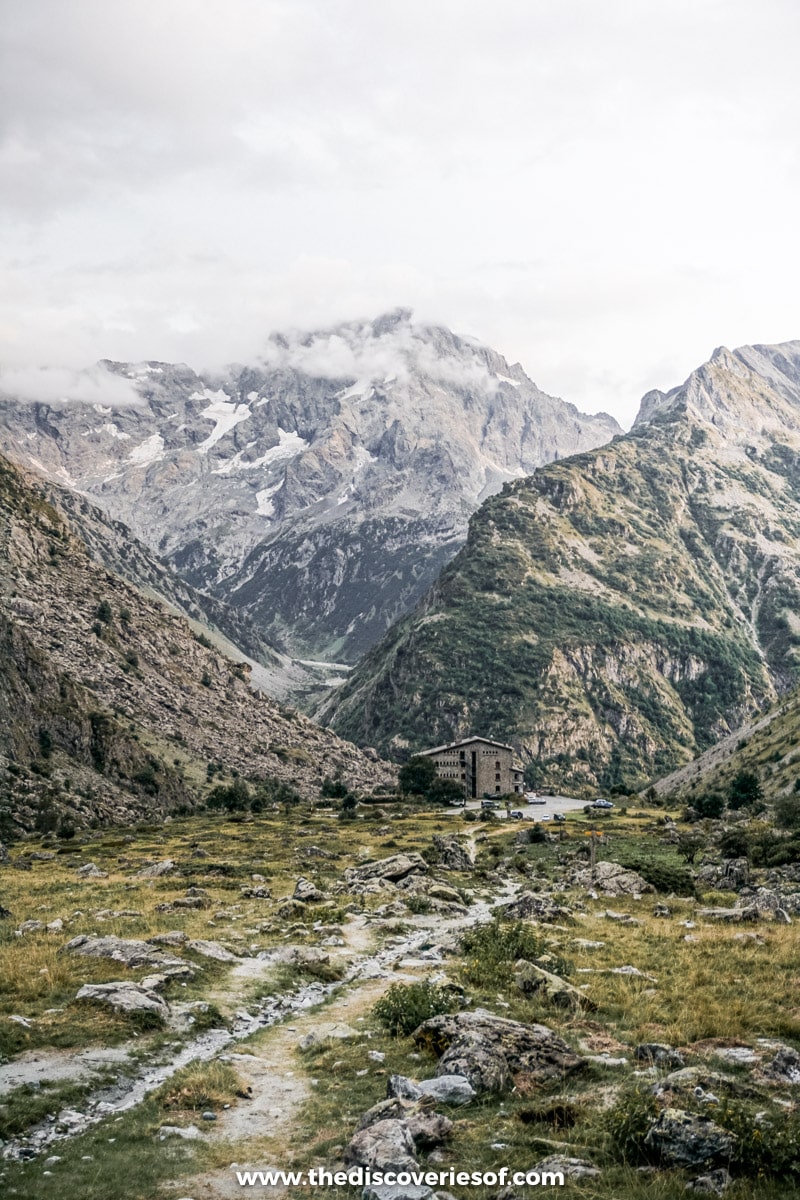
322, 488
738, 396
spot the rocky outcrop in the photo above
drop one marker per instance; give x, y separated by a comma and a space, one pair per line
682, 1139
128, 999
490, 1051
552, 989
610, 879
391, 870
129, 951
450, 853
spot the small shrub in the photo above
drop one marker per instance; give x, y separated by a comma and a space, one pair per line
491, 949
628, 1122
405, 1006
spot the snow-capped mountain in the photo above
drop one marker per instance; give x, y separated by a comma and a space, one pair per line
321, 489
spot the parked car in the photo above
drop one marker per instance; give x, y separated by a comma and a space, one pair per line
489, 804
516, 815
601, 803
534, 798
559, 817
545, 817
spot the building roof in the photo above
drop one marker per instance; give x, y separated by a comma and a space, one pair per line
467, 742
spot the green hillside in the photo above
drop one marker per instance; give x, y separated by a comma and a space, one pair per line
618, 612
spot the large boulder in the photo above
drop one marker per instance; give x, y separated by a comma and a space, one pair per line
213, 950
307, 892
535, 981
391, 869
489, 1051
130, 999
447, 1089
535, 906
156, 870
385, 1146
682, 1139
610, 879
451, 854
130, 951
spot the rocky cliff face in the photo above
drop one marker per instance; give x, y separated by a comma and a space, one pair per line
111, 706
321, 491
615, 613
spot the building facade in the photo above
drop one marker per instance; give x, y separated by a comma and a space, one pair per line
481, 766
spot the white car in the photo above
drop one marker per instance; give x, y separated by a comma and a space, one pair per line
534, 798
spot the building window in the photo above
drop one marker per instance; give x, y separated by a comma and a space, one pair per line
497, 789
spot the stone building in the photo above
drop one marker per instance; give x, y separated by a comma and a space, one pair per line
480, 765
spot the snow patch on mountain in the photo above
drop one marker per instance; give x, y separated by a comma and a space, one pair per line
148, 451
222, 411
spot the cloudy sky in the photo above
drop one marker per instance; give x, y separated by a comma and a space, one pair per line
603, 191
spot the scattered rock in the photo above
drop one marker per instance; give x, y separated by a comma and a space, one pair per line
173, 937
535, 981
610, 879
447, 1089
260, 892
684, 1140
747, 912
623, 918
90, 870
131, 952
429, 1130
400, 1087
130, 999
30, 927
156, 870
536, 906
695, 1081
662, 910
211, 950
307, 892
396, 867
656, 1054
189, 1133
714, 1183
384, 1146
392, 1109
570, 1168
785, 1066
451, 855
335, 1031
487, 1050
302, 956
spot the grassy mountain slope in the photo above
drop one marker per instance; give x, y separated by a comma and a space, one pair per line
619, 611
111, 707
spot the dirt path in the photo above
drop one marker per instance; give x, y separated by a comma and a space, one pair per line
279, 1090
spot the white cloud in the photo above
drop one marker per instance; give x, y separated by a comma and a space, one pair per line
602, 191
60, 385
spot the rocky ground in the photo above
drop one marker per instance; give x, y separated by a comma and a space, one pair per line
180, 1003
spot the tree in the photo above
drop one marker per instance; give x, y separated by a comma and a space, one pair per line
787, 812
745, 790
689, 845
347, 809
417, 776
709, 805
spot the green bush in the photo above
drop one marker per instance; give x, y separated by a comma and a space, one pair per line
405, 1006
491, 949
770, 1146
627, 1123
